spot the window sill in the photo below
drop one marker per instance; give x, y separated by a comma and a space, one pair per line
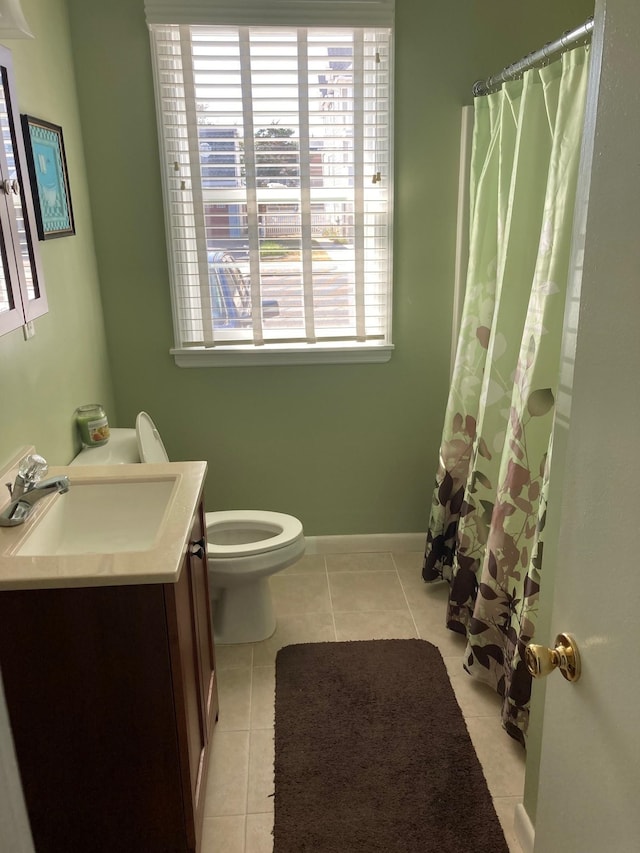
282, 354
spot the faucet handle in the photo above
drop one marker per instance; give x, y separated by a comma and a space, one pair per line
32, 468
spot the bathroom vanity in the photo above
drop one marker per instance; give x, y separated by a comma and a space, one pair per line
109, 672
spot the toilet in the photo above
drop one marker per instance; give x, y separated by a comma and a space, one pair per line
244, 547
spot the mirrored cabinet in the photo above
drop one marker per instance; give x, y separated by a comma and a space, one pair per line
22, 294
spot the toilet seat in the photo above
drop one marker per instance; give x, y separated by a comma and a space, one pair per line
243, 533
269, 542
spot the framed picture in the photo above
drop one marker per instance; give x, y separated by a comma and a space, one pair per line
47, 166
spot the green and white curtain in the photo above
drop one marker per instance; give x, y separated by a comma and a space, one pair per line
488, 515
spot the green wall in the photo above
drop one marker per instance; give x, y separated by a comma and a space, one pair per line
349, 449
43, 380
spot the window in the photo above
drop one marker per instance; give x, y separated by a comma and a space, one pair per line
276, 150
22, 296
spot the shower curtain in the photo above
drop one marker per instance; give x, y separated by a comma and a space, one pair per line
488, 514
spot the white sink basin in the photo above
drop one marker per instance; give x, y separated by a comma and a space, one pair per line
101, 517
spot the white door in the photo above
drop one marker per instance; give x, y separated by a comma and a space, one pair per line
15, 834
590, 758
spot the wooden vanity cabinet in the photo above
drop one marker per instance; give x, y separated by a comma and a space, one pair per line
193, 671
112, 700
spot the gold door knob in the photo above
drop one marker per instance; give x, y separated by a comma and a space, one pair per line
541, 660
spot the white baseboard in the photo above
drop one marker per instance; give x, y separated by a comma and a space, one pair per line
524, 829
365, 542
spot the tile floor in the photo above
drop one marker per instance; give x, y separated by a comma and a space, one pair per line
336, 597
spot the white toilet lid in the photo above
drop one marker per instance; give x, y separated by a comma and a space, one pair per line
271, 530
150, 446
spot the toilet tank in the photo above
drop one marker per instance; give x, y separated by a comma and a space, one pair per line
122, 448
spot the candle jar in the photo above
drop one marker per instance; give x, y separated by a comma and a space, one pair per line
92, 423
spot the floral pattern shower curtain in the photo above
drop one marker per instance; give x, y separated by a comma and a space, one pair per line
488, 514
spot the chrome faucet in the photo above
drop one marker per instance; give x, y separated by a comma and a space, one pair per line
29, 488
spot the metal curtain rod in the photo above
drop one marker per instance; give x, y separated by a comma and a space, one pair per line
572, 38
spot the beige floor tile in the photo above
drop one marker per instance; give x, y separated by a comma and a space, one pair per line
505, 809
366, 591
226, 792
230, 656
261, 757
259, 833
319, 599
409, 561
223, 834
234, 696
475, 698
303, 593
455, 667
421, 595
263, 697
431, 627
307, 563
376, 625
306, 628
502, 758
373, 562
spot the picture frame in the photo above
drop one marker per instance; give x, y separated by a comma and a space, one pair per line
47, 165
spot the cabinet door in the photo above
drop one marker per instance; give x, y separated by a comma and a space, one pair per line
205, 660
90, 691
187, 691
192, 655
202, 610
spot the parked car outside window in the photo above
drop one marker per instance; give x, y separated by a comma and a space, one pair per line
231, 293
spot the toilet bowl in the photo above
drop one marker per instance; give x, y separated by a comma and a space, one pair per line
244, 547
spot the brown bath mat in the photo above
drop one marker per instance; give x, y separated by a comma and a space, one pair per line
372, 754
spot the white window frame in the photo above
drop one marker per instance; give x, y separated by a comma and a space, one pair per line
22, 297
362, 13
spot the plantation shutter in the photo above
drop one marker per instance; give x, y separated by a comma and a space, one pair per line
275, 142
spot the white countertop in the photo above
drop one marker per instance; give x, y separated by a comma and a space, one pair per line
160, 563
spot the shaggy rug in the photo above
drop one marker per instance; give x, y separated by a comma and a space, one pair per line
372, 754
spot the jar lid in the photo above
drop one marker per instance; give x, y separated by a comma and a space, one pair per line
89, 407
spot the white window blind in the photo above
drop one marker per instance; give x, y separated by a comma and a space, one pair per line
275, 144
300, 13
